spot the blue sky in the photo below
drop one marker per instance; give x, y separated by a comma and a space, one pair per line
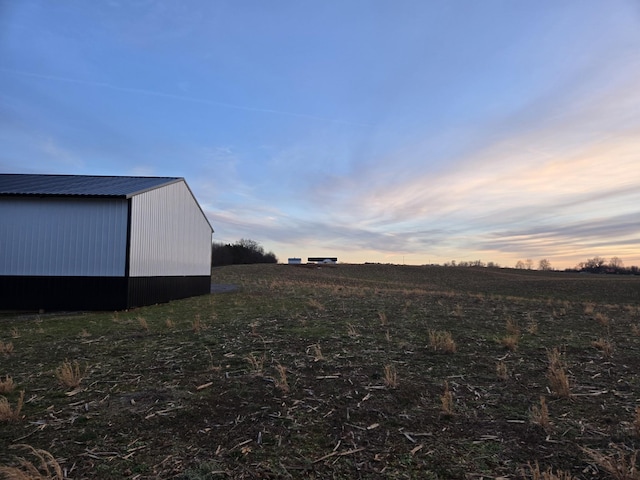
389, 131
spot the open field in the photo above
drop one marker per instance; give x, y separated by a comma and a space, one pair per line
352, 371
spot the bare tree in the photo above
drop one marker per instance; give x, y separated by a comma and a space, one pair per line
544, 264
616, 262
520, 265
529, 263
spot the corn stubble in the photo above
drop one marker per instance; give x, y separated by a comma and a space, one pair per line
557, 374
8, 413
43, 467
442, 341
69, 374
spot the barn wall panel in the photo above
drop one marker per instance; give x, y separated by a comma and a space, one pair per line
169, 234
62, 236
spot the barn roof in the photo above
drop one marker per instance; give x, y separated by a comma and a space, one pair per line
79, 185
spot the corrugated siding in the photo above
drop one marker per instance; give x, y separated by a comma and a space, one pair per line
169, 234
62, 236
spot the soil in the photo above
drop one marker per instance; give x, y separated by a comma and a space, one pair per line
290, 375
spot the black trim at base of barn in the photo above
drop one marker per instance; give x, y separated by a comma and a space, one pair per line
95, 293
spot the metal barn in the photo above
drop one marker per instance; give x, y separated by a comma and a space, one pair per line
72, 242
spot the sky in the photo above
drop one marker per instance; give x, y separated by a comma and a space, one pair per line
385, 131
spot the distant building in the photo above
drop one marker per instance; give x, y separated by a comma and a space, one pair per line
295, 261
74, 242
322, 259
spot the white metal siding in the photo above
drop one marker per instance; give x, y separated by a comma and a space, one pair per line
169, 234
63, 236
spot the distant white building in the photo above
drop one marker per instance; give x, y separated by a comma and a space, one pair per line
322, 259
295, 261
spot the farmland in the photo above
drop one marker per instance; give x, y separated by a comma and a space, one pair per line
346, 371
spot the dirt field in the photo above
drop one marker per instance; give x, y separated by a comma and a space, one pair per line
347, 371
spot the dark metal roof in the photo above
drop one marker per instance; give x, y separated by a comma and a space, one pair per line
79, 185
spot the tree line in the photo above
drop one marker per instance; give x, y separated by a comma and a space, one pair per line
244, 251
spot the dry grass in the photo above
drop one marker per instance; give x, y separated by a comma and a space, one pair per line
635, 330
281, 380
457, 311
442, 341
351, 331
557, 374
7, 385
315, 304
620, 465
605, 347
390, 376
169, 323
316, 352
636, 422
144, 325
510, 342
540, 415
602, 319
46, 467
15, 333
588, 308
197, 325
9, 414
501, 371
534, 473
69, 374
532, 327
256, 363
512, 327
383, 318
6, 348
446, 401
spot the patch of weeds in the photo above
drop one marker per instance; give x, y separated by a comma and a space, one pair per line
383, 318
446, 401
532, 326
602, 319
9, 414
256, 363
604, 345
512, 327
351, 331
69, 374
540, 415
442, 341
391, 376
501, 371
510, 342
281, 380
6, 348
315, 304
43, 467
7, 385
534, 473
316, 352
620, 465
144, 325
557, 374
198, 325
